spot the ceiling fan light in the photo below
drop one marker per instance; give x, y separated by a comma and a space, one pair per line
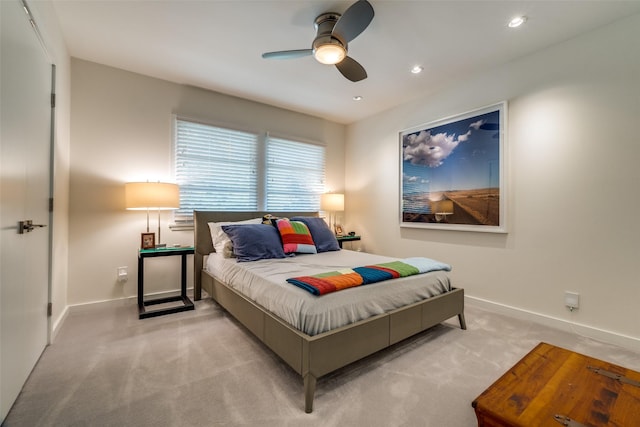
329, 54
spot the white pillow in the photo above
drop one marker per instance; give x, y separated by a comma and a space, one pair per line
220, 238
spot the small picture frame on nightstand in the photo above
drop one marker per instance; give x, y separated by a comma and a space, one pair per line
148, 240
338, 230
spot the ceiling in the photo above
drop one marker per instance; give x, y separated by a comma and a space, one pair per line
217, 45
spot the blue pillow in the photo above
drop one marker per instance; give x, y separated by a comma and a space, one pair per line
323, 238
253, 242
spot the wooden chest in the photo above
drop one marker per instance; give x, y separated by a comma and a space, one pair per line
552, 386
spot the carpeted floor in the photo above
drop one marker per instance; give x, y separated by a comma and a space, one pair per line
201, 368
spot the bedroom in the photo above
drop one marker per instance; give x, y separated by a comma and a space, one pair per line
572, 160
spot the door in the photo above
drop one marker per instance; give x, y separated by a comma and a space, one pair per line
25, 177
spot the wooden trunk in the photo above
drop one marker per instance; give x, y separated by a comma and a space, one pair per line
551, 386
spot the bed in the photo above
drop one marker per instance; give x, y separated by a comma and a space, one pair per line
315, 354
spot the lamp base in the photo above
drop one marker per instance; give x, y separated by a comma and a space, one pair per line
161, 245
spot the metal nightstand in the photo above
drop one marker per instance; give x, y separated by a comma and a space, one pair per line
187, 304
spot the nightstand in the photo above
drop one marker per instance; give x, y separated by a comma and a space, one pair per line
187, 304
348, 238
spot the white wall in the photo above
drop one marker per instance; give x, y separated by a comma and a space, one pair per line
121, 130
573, 176
49, 27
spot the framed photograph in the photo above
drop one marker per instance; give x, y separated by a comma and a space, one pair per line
148, 240
452, 172
338, 230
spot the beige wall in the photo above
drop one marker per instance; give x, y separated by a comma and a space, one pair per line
573, 175
121, 130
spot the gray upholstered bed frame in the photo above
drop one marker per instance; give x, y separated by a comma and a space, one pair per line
318, 355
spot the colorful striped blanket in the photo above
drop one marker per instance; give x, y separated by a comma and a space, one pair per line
332, 281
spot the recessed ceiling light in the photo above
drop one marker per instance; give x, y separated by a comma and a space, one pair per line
417, 69
357, 98
517, 21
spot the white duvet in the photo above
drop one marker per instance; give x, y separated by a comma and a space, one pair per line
264, 282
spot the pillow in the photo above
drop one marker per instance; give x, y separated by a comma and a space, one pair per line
296, 237
253, 242
220, 239
323, 237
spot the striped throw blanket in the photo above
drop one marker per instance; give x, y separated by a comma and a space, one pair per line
332, 281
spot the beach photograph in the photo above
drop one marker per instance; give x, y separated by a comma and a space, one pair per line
451, 171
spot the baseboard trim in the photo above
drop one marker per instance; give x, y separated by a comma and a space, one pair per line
621, 340
58, 324
119, 302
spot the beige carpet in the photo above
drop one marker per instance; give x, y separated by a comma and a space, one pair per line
201, 368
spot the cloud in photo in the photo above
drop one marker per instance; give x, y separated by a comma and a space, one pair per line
410, 178
431, 150
476, 125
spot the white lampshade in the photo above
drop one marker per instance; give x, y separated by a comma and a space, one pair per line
332, 202
151, 195
158, 196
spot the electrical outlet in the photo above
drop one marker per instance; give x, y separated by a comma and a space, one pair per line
572, 300
123, 274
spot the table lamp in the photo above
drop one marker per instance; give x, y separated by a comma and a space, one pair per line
331, 203
152, 196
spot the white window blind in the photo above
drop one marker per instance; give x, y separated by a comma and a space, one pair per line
295, 175
215, 169
226, 169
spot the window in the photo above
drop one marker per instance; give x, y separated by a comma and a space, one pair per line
227, 169
295, 175
215, 168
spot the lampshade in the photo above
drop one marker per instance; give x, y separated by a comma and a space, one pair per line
329, 53
151, 195
332, 202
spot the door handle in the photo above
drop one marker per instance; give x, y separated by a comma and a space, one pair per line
27, 226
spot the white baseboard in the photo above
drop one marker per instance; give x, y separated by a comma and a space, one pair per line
625, 341
119, 302
55, 328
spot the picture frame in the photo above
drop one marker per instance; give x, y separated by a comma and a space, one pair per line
452, 172
338, 230
147, 240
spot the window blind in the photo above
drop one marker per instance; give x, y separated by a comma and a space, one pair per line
226, 169
295, 175
215, 169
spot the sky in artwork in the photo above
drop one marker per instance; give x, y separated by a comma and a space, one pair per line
462, 155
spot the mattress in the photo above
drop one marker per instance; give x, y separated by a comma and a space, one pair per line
264, 282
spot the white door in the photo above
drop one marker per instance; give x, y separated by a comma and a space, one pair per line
25, 144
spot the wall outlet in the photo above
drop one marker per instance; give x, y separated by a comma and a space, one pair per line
123, 274
572, 300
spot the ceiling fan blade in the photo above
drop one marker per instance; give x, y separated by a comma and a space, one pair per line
288, 54
353, 21
351, 69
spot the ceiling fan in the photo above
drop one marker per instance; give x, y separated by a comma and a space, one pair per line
333, 34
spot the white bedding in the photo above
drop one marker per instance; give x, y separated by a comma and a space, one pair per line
264, 282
